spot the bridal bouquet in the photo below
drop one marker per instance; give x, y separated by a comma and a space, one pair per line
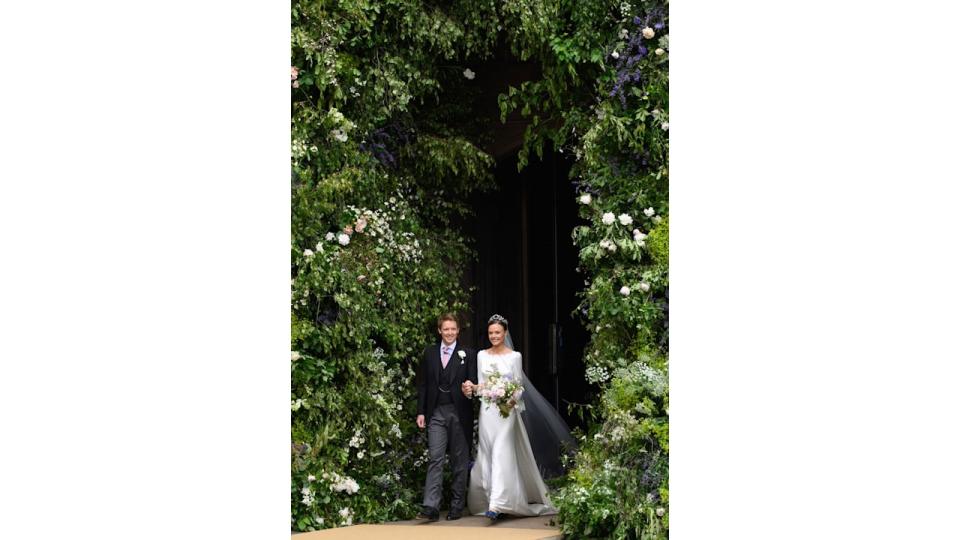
499, 389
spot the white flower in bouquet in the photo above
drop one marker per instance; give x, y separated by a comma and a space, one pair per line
339, 135
644, 286
330, 236
648, 33
625, 290
615, 55
308, 253
343, 238
586, 198
665, 126
608, 218
311, 478
294, 356
659, 51
649, 212
660, 512
625, 219
469, 74
638, 236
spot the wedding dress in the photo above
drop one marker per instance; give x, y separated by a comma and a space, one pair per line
505, 477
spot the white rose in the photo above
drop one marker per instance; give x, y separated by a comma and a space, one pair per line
625, 219
644, 286
343, 238
659, 51
648, 33
649, 212
615, 55
330, 236
308, 253
625, 290
609, 218
469, 74
586, 198
462, 354
294, 356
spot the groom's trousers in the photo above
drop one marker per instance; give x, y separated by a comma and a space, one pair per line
444, 430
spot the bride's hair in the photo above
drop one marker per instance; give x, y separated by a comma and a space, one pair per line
497, 319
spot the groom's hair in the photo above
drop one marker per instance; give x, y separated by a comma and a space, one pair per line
448, 317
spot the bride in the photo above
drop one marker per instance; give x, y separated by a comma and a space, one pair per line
507, 477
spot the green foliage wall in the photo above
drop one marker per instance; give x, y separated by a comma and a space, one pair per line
383, 159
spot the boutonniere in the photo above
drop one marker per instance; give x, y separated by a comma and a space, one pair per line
462, 356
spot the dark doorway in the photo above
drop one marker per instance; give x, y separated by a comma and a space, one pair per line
526, 271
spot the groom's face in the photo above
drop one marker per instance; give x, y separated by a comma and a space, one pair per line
449, 332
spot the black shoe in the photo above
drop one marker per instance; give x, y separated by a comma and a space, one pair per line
454, 514
429, 513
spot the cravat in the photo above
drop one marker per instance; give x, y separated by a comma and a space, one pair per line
446, 356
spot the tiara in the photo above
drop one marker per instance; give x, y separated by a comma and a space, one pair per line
497, 318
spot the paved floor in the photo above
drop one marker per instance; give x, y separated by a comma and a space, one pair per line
466, 528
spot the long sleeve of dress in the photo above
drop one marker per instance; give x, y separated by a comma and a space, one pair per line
518, 376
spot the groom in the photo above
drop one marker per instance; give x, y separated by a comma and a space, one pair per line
446, 414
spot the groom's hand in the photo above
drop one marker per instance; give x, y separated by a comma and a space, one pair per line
421, 421
467, 388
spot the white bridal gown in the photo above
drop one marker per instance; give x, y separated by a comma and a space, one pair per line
505, 477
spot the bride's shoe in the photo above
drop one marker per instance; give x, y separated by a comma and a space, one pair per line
494, 516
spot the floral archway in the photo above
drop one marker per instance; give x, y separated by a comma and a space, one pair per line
389, 132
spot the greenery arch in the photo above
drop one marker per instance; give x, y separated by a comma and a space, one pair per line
385, 149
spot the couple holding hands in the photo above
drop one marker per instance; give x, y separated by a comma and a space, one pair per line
519, 443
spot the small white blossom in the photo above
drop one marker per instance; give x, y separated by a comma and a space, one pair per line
661, 512
339, 135
294, 356
625, 290
615, 55
659, 51
343, 238
624, 33
311, 478
644, 286
638, 236
469, 74
609, 218
462, 354
649, 212
625, 219
648, 33
586, 198
665, 126
330, 236
308, 253
657, 219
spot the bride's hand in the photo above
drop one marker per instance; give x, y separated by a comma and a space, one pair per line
467, 388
